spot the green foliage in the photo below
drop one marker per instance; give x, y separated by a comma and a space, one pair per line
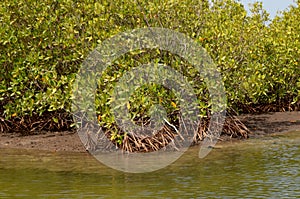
42, 46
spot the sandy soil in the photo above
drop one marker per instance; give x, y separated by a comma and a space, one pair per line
260, 125
279, 122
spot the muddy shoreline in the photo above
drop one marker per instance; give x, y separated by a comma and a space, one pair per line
259, 125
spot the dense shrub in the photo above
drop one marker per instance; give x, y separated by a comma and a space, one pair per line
42, 46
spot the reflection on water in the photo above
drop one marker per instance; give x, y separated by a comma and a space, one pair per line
264, 168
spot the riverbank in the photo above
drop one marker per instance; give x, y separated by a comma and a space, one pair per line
259, 125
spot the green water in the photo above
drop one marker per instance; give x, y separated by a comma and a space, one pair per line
258, 168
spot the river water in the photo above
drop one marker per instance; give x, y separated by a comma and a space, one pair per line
257, 168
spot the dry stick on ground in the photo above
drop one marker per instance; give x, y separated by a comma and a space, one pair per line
233, 127
169, 136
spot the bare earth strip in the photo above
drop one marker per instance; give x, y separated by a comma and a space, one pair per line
259, 125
